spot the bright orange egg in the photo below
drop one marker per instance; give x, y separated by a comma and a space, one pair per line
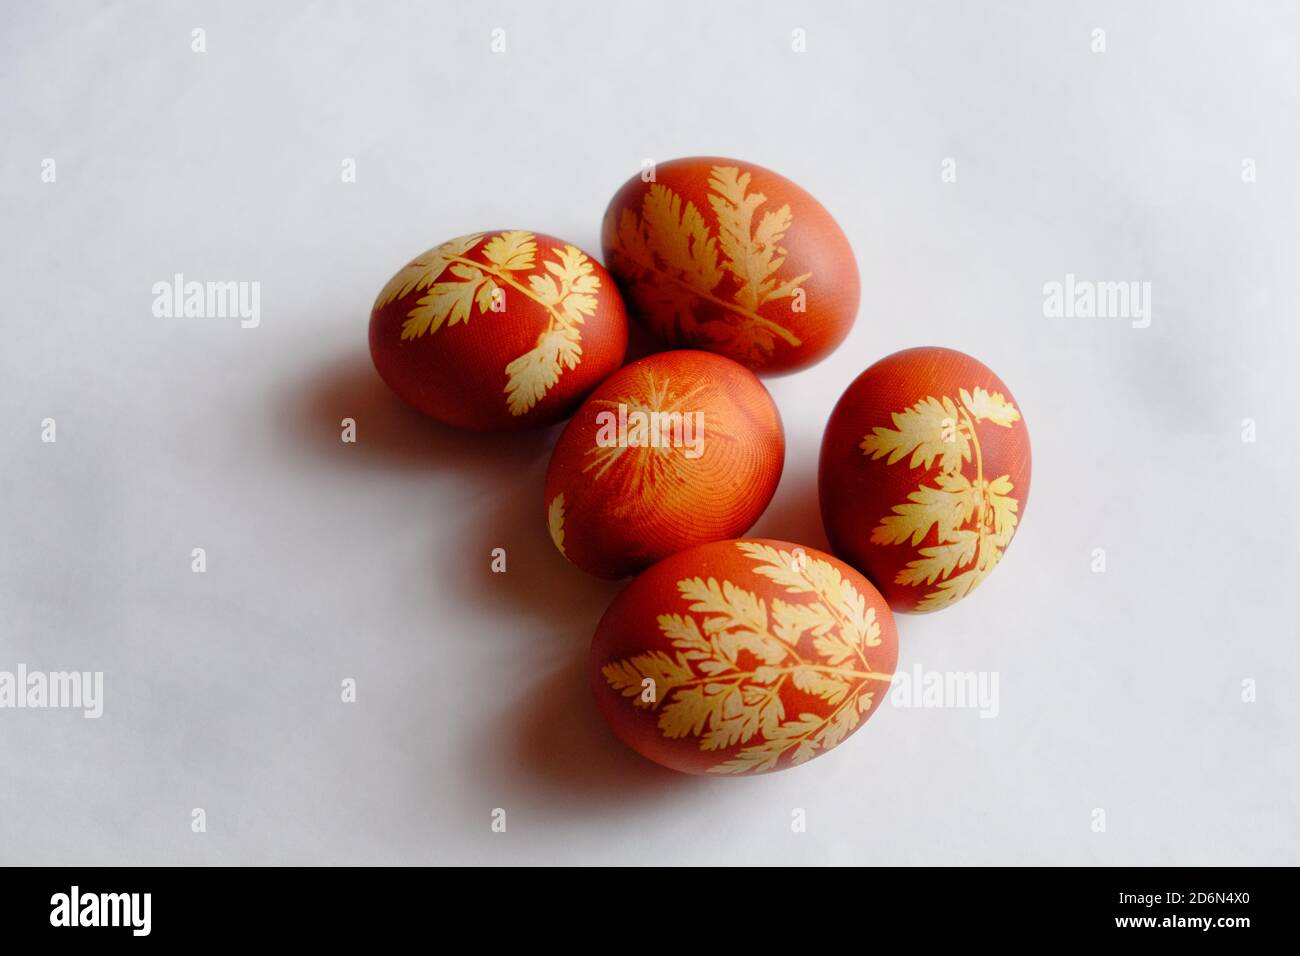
924, 475
742, 657
498, 331
723, 255
671, 451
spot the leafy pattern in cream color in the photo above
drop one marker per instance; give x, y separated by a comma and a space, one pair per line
555, 522
734, 652
677, 262
974, 518
453, 283
644, 473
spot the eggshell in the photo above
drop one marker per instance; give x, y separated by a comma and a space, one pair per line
742, 657
498, 331
924, 475
723, 255
619, 497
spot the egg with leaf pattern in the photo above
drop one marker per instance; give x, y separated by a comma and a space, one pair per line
742, 657
727, 256
498, 331
924, 476
670, 451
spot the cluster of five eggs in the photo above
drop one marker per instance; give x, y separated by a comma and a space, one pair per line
725, 654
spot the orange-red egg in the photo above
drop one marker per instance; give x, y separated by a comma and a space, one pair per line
498, 331
671, 451
742, 657
924, 475
723, 255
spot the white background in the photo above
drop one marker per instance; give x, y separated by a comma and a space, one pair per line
1119, 690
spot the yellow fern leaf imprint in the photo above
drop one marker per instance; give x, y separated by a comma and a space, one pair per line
555, 522
734, 652
454, 283
974, 518
646, 470
679, 264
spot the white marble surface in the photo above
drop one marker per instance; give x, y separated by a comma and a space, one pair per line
326, 561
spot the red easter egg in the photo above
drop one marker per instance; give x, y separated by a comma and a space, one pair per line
727, 256
671, 451
742, 657
924, 475
498, 331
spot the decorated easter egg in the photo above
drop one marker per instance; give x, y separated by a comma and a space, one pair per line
498, 331
924, 476
727, 256
741, 657
671, 451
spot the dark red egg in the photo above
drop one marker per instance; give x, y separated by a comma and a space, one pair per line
498, 331
924, 476
742, 657
671, 451
726, 256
